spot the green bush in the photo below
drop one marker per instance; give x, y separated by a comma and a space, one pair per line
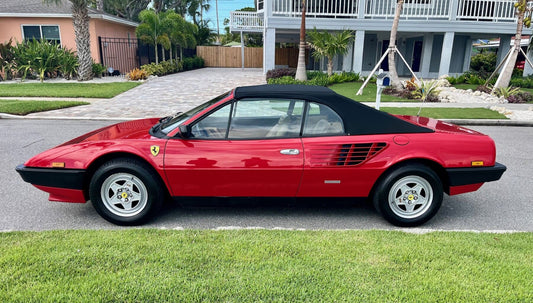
98, 69
39, 58
8, 67
153, 69
483, 64
315, 78
68, 64
280, 72
163, 68
192, 63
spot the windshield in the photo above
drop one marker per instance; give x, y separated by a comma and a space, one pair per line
170, 124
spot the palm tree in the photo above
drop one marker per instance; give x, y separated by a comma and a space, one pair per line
329, 45
301, 74
80, 20
395, 81
180, 32
151, 31
505, 76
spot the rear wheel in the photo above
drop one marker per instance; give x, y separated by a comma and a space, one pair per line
126, 192
409, 195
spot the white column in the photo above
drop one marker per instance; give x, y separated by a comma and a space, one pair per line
528, 70
468, 54
358, 49
347, 59
426, 55
505, 45
269, 49
446, 54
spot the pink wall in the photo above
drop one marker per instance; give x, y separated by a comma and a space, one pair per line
11, 28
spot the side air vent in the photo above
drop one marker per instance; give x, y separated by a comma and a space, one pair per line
345, 154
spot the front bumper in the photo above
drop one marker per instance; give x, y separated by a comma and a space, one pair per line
473, 175
52, 177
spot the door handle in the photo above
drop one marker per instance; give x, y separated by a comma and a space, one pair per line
291, 151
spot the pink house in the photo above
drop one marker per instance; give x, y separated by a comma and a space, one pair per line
113, 40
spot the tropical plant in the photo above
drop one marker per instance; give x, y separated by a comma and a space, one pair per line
150, 31
137, 74
204, 35
98, 69
506, 92
68, 63
301, 75
329, 45
395, 81
180, 32
7, 59
80, 19
40, 57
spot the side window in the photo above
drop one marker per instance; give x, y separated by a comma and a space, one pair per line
322, 121
213, 126
275, 118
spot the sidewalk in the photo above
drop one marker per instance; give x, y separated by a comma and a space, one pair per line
163, 96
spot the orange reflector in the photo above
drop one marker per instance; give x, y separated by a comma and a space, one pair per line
477, 163
58, 164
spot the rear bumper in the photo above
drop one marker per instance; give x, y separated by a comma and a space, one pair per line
473, 175
52, 177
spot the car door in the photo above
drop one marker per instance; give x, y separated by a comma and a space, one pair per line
336, 165
245, 148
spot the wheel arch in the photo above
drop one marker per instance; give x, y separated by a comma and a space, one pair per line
96, 163
433, 165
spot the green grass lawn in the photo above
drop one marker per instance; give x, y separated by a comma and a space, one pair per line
349, 89
264, 266
446, 113
466, 86
24, 107
72, 90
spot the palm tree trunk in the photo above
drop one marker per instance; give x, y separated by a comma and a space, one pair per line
100, 5
156, 55
395, 81
330, 66
301, 73
80, 20
507, 72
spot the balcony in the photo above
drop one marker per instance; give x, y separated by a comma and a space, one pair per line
246, 22
460, 10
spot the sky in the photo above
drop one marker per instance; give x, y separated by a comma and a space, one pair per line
224, 8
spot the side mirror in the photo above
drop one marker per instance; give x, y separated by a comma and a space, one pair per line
185, 131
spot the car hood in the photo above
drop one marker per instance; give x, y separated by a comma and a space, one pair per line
438, 126
136, 129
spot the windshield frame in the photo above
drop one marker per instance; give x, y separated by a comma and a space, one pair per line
168, 126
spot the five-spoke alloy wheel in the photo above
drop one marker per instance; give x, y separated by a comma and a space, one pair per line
126, 191
409, 195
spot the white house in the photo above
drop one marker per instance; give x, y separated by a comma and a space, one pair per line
434, 36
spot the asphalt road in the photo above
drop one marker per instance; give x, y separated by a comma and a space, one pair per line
505, 205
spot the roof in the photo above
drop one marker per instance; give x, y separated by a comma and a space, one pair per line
358, 118
37, 8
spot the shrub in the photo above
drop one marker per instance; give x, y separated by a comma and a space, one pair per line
522, 82
8, 67
68, 64
475, 80
520, 97
484, 89
280, 72
137, 74
192, 63
98, 69
153, 69
483, 64
506, 92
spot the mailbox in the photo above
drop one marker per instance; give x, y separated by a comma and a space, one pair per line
383, 80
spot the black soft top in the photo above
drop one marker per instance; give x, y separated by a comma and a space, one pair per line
358, 118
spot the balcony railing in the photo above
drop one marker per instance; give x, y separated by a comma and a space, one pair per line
316, 8
466, 10
246, 21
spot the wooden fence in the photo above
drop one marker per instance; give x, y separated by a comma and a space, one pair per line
220, 56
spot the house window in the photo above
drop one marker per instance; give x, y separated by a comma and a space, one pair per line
39, 32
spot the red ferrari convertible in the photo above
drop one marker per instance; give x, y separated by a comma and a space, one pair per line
269, 141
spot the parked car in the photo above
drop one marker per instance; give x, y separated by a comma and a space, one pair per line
269, 141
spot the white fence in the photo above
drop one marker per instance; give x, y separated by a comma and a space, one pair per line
246, 21
316, 8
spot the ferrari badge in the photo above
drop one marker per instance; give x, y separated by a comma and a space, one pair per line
155, 150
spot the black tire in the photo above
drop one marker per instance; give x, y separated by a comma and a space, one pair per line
416, 187
126, 191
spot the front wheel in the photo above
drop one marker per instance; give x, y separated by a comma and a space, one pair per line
125, 192
409, 195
